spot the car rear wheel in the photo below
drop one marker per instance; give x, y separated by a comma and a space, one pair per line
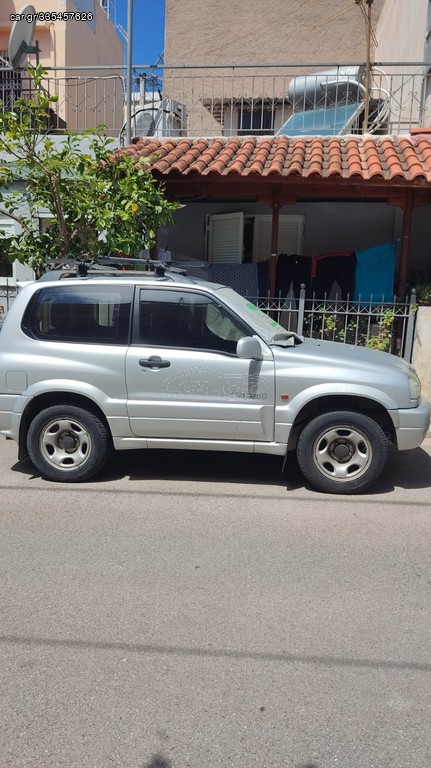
68, 444
342, 452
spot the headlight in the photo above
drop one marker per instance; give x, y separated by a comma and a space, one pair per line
415, 385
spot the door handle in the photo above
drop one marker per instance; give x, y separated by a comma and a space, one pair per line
154, 362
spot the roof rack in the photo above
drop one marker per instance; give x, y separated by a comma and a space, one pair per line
83, 266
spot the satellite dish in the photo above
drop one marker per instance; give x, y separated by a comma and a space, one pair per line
21, 35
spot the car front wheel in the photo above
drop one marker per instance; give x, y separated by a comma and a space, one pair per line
342, 452
68, 444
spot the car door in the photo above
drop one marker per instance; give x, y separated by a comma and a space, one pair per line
184, 378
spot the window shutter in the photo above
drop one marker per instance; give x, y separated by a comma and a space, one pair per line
225, 241
290, 236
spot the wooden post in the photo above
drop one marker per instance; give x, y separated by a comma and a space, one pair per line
274, 244
405, 244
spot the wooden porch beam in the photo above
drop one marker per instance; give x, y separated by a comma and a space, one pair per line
274, 242
292, 190
405, 243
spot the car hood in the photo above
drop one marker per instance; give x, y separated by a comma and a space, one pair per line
336, 352
326, 364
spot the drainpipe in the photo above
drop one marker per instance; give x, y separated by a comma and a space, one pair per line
367, 65
129, 72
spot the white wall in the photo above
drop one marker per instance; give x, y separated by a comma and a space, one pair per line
402, 36
422, 350
328, 226
401, 30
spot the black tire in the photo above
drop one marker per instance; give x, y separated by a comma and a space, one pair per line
68, 444
342, 452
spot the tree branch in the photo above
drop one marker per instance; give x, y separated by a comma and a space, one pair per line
16, 218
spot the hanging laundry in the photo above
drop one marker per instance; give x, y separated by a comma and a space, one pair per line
241, 277
292, 269
262, 277
330, 268
374, 274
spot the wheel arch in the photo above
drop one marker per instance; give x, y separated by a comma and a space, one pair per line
48, 399
328, 403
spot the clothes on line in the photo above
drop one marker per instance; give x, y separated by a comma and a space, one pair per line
243, 278
262, 277
374, 273
366, 275
292, 269
330, 268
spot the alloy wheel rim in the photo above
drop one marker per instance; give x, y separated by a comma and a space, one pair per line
65, 444
342, 453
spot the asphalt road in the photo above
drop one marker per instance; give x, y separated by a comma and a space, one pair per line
201, 610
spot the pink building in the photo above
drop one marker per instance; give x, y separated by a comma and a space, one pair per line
86, 98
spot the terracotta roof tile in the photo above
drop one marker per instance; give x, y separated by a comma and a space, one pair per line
366, 157
352, 163
413, 162
335, 164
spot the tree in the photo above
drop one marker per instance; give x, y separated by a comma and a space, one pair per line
98, 202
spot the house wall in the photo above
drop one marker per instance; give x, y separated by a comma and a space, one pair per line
101, 90
72, 42
422, 350
43, 30
77, 43
401, 30
329, 226
402, 34
223, 33
283, 31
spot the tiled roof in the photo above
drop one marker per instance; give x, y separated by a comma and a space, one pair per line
385, 158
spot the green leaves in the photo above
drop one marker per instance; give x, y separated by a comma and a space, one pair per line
97, 202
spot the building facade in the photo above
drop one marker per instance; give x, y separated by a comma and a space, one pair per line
202, 39
85, 98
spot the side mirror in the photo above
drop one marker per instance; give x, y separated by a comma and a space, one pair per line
249, 348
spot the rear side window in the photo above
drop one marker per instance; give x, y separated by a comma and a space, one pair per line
84, 313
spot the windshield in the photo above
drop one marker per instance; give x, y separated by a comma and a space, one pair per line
263, 324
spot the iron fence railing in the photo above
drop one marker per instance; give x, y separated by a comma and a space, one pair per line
383, 325
235, 100
8, 292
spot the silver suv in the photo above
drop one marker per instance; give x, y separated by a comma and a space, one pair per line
128, 360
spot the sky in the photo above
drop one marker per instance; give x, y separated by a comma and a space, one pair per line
148, 28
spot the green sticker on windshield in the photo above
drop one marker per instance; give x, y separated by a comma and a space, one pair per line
256, 309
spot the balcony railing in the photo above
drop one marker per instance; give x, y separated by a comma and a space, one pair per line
301, 99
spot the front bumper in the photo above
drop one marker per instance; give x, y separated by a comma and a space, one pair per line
412, 425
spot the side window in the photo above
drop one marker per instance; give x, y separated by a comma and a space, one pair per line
92, 314
187, 320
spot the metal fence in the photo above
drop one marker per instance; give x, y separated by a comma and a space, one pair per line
8, 292
223, 100
385, 326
